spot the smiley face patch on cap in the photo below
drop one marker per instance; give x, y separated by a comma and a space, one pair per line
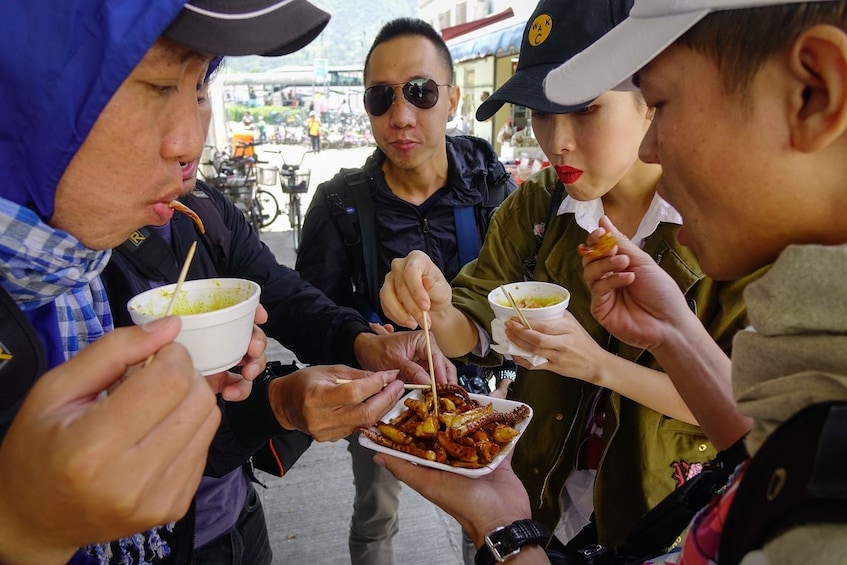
539, 30
556, 31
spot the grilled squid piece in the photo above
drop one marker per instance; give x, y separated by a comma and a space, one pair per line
180, 207
604, 244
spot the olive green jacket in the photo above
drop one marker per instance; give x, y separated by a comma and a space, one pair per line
646, 455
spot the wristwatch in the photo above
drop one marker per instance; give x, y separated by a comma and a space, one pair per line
505, 375
505, 542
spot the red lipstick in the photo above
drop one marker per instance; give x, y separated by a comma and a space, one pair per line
568, 174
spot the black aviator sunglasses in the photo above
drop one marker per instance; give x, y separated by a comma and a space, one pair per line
420, 92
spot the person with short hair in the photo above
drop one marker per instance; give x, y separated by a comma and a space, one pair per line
750, 102
414, 182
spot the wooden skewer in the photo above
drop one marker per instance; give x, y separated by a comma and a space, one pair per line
429, 360
182, 274
407, 386
514, 304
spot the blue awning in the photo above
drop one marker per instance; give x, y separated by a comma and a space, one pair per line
506, 41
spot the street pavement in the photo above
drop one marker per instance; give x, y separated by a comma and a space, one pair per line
308, 510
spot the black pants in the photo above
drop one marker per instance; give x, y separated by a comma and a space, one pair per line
246, 544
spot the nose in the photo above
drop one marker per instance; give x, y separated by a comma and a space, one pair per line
184, 138
562, 137
402, 113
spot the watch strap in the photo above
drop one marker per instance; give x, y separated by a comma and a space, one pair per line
506, 541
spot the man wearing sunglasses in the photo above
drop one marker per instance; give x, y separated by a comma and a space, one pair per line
414, 191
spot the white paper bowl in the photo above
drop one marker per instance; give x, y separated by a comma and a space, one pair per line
217, 318
526, 290
500, 405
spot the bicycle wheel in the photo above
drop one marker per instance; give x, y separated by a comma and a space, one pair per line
269, 207
255, 215
295, 219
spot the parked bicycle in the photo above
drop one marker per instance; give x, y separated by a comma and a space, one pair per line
236, 177
293, 182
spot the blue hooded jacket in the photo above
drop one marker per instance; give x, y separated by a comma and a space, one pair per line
61, 62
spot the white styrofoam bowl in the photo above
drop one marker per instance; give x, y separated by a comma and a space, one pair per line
217, 318
526, 290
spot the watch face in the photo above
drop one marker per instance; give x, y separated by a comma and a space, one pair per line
499, 405
508, 374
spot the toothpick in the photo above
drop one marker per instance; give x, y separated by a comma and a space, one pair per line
429, 360
514, 304
182, 274
407, 386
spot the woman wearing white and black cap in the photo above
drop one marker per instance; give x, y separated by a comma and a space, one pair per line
610, 436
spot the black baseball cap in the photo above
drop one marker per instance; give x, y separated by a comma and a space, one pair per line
556, 31
247, 27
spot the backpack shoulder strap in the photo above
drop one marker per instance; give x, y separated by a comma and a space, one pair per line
150, 254
796, 478
218, 237
348, 199
22, 358
467, 233
472, 221
357, 184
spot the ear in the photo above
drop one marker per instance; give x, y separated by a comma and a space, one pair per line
818, 61
455, 95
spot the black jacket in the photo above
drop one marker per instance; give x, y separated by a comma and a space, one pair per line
400, 228
300, 316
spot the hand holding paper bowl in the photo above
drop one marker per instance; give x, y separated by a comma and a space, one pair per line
536, 300
217, 317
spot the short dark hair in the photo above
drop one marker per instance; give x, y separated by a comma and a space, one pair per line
741, 41
402, 27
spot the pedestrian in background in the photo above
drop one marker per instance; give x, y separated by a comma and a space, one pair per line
313, 126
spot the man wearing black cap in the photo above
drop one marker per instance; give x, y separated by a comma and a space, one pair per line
112, 85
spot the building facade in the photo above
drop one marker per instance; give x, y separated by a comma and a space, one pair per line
484, 38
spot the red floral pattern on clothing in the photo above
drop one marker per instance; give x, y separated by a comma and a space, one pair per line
703, 539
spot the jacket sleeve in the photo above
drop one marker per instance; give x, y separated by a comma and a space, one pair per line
245, 427
300, 316
323, 258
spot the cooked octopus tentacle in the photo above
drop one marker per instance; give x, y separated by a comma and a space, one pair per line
451, 388
378, 439
461, 427
180, 207
468, 422
517, 415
